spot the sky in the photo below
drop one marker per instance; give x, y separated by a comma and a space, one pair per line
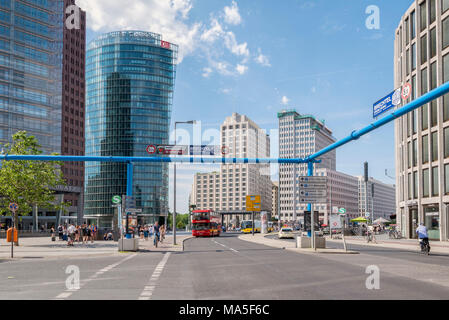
258, 57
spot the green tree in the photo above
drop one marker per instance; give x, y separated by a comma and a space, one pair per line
28, 183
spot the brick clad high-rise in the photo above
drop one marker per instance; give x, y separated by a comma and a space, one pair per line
73, 106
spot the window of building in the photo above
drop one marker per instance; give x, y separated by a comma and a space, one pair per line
434, 113
407, 64
424, 49
434, 146
413, 56
446, 179
407, 34
446, 142
415, 185
424, 87
409, 148
432, 11
426, 179
425, 117
415, 152
433, 43
446, 107
423, 11
444, 5
425, 149
433, 76
414, 121
435, 188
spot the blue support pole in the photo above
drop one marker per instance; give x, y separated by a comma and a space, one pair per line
129, 179
309, 205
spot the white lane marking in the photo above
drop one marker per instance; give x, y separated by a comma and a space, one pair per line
147, 292
69, 292
225, 246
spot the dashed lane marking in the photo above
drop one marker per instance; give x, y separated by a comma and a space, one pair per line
147, 292
66, 294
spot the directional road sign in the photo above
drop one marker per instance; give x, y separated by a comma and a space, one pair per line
133, 210
313, 180
253, 203
208, 150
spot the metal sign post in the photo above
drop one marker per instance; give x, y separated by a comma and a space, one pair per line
13, 207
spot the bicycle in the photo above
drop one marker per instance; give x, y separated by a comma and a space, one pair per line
156, 239
425, 246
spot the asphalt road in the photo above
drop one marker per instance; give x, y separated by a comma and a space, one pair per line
228, 268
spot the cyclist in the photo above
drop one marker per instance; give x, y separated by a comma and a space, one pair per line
421, 231
156, 233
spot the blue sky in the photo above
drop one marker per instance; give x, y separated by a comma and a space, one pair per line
257, 57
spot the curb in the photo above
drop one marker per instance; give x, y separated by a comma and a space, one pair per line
188, 238
302, 250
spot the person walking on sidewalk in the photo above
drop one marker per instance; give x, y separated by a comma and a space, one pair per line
156, 233
71, 231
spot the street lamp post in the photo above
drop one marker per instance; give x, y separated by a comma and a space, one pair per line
174, 183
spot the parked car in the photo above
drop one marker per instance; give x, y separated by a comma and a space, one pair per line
286, 233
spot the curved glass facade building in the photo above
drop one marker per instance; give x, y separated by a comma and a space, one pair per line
130, 77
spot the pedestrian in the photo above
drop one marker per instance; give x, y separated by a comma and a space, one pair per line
90, 234
53, 237
145, 233
77, 233
60, 232
162, 231
71, 232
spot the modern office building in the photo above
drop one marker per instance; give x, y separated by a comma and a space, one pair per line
243, 138
226, 191
73, 111
300, 136
274, 200
422, 137
42, 87
377, 198
342, 192
130, 78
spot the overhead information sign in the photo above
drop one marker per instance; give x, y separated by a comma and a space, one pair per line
207, 150
392, 100
180, 150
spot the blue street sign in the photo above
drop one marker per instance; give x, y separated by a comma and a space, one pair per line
386, 103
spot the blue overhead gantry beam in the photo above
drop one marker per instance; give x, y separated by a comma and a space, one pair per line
355, 135
310, 160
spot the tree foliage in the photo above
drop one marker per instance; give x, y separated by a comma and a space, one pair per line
28, 183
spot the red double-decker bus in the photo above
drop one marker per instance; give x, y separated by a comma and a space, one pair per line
206, 223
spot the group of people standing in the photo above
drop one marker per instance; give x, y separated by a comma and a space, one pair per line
147, 231
80, 233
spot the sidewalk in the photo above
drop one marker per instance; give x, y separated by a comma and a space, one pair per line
44, 248
405, 244
289, 245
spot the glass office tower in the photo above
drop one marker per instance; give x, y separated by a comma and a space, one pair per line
31, 70
130, 78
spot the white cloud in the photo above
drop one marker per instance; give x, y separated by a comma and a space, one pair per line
171, 18
285, 100
234, 47
206, 72
241, 69
168, 18
262, 59
213, 33
232, 15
